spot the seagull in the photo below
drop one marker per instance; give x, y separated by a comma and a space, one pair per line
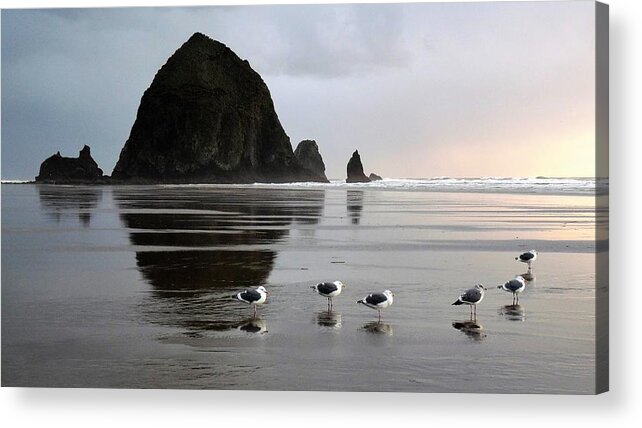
471, 297
528, 258
378, 301
253, 297
329, 290
514, 286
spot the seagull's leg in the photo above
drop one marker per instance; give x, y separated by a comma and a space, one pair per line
254, 311
330, 303
379, 312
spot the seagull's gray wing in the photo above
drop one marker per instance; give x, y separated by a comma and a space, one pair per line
513, 285
471, 296
526, 256
376, 298
327, 287
249, 296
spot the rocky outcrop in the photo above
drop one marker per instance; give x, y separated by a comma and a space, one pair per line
63, 170
307, 153
355, 170
374, 177
208, 117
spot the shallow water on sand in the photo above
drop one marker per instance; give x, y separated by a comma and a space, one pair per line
132, 287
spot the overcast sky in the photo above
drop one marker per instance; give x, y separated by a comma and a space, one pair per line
422, 90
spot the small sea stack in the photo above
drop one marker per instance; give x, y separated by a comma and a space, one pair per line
58, 169
355, 170
374, 177
307, 153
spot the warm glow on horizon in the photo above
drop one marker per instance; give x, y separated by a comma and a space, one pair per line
561, 155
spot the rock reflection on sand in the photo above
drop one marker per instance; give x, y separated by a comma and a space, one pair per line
512, 312
208, 239
60, 201
195, 328
378, 327
354, 203
196, 247
470, 328
329, 319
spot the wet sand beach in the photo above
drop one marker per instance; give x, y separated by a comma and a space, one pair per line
132, 287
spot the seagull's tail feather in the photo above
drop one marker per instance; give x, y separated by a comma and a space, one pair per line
457, 302
516, 258
360, 301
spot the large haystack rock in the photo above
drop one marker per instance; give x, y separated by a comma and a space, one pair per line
208, 117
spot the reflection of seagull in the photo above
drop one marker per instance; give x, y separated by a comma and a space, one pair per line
254, 325
471, 297
528, 276
378, 301
253, 297
329, 319
472, 329
329, 290
512, 312
528, 258
378, 327
514, 286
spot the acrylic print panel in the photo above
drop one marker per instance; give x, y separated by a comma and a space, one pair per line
388, 197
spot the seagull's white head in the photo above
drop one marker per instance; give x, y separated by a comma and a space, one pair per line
262, 289
520, 279
480, 287
339, 284
388, 293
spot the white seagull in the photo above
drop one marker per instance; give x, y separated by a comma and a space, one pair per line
528, 257
471, 297
514, 286
329, 290
253, 297
378, 301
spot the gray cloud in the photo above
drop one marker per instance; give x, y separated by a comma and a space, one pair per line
414, 78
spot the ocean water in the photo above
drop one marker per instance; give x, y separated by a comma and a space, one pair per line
523, 185
131, 286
